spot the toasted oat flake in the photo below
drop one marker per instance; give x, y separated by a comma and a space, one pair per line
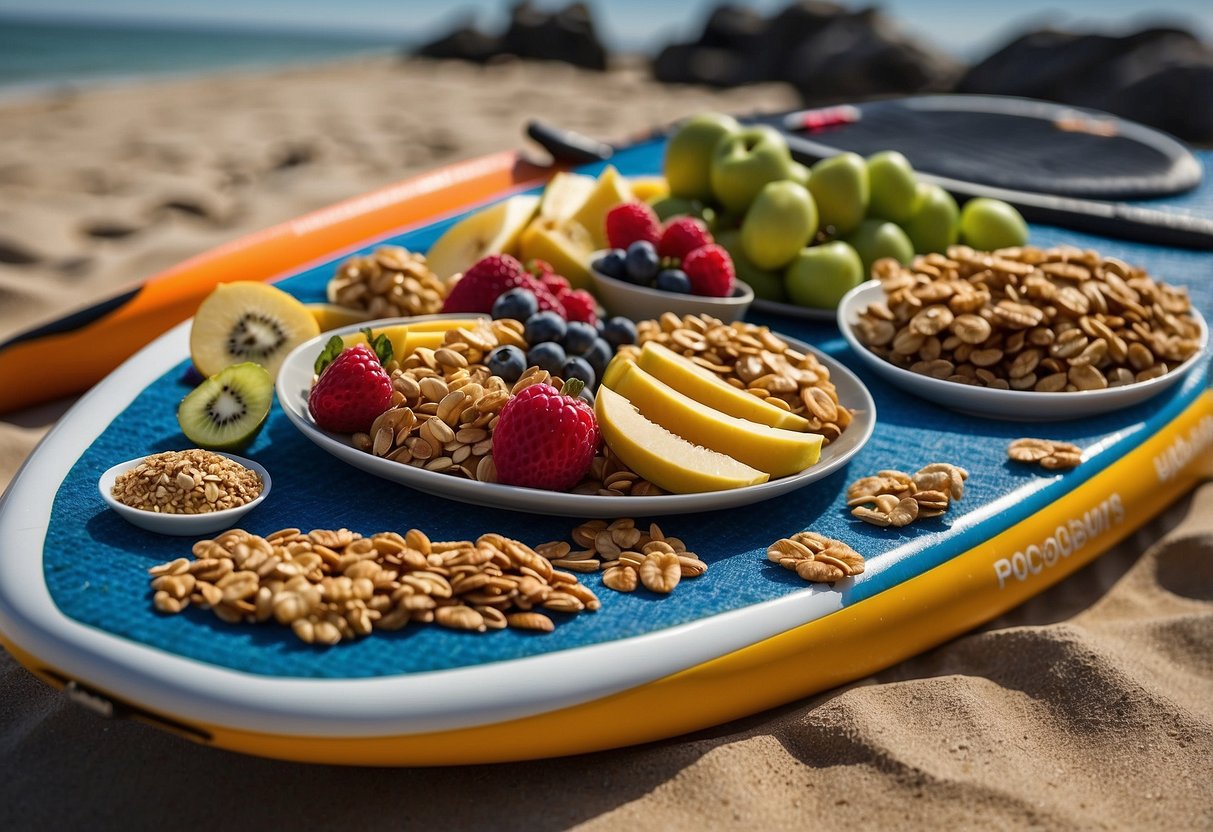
187, 482
330, 586
1056, 320
1048, 453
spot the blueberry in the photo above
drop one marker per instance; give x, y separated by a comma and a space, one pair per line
547, 356
619, 331
588, 395
576, 367
598, 356
509, 362
674, 280
516, 303
612, 264
642, 262
578, 337
544, 326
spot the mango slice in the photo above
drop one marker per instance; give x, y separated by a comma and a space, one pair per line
706, 387
777, 451
662, 458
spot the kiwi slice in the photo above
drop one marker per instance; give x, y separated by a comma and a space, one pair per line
248, 321
226, 411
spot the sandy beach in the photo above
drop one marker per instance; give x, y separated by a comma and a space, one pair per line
1090, 707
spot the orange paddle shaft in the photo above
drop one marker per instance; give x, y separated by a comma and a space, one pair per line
71, 354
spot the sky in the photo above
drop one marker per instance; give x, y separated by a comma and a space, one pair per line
964, 27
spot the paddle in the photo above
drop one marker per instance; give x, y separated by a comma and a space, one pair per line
1102, 155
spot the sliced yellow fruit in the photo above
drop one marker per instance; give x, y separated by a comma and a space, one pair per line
248, 321
492, 230
611, 190
567, 246
564, 194
649, 188
706, 387
429, 340
442, 324
331, 316
777, 451
617, 368
664, 459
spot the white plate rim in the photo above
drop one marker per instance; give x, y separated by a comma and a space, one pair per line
1005, 404
536, 501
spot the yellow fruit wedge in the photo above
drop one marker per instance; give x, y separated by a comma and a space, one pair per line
429, 340
668, 461
617, 367
566, 246
706, 387
777, 451
492, 230
611, 190
564, 194
649, 188
443, 324
331, 316
405, 337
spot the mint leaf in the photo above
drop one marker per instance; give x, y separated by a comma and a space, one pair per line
331, 350
381, 344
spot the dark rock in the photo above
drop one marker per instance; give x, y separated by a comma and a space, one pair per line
566, 35
825, 50
1158, 76
464, 44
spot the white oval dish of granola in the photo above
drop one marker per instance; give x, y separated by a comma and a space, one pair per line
297, 374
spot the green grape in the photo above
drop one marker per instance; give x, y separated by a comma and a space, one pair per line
894, 187
874, 239
936, 223
839, 186
989, 224
820, 275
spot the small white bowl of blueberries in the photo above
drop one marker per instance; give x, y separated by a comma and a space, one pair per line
566, 349
648, 278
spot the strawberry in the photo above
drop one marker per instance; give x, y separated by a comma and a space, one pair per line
580, 306
681, 236
545, 438
488, 279
632, 221
710, 270
351, 392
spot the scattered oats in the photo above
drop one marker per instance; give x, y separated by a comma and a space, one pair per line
816, 558
1047, 453
330, 586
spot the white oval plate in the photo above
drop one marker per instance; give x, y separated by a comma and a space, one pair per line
295, 379
1014, 405
791, 310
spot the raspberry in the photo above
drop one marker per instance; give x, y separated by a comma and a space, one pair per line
683, 235
545, 438
538, 268
632, 221
580, 306
710, 270
488, 279
555, 284
484, 282
351, 392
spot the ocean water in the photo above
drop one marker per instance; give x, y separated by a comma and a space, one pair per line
37, 54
